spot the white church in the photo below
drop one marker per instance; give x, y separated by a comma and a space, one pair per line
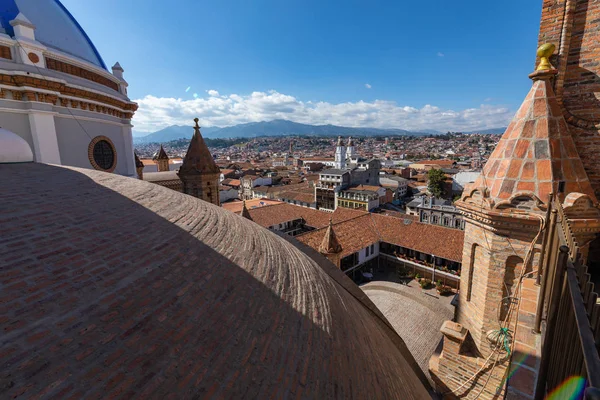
59, 104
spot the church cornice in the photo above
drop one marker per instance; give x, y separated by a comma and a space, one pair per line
59, 93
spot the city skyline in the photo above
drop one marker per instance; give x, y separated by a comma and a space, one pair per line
384, 65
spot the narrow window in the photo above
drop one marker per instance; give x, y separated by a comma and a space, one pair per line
471, 271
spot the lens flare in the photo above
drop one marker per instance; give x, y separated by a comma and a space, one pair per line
188, 89
571, 389
195, 95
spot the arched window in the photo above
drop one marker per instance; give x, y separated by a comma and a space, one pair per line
475, 249
512, 274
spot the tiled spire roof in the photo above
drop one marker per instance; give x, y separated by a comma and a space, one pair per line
330, 243
162, 154
138, 162
245, 212
198, 158
537, 152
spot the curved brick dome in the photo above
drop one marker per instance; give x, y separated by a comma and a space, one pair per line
115, 286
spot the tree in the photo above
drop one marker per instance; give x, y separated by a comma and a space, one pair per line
435, 184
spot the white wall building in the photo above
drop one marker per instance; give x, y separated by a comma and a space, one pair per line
57, 93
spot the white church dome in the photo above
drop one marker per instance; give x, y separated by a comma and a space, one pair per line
13, 148
55, 27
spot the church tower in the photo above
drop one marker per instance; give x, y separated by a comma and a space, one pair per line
340, 154
351, 148
199, 172
505, 212
162, 160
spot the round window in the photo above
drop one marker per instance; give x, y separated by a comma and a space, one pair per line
102, 154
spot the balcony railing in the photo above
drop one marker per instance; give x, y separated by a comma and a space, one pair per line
568, 305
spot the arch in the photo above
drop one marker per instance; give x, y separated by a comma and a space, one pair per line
475, 250
512, 272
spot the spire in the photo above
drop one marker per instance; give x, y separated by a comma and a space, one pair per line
138, 162
536, 154
162, 154
198, 158
350, 142
340, 142
139, 166
245, 212
330, 243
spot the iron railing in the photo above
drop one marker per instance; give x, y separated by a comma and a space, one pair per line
568, 305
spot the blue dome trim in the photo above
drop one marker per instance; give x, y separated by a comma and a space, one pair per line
9, 10
83, 32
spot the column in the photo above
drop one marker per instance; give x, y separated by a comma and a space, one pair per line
43, 132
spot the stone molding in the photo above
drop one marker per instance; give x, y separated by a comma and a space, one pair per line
29, 88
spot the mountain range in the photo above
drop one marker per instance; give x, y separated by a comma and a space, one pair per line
278, 127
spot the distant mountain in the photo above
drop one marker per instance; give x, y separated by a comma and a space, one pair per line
278, 127
170, 133
493, 131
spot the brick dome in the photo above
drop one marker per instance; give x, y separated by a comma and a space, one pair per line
113, 286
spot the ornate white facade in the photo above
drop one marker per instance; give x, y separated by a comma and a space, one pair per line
56, 92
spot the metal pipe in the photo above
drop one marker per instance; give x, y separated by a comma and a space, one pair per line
544, 240
540, 389
542, 294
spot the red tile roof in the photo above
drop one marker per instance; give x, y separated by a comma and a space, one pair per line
536, 151
358, 233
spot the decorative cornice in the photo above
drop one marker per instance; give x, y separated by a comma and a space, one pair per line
50, 91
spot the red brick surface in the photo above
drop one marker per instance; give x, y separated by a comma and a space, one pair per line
115, 287
535, 152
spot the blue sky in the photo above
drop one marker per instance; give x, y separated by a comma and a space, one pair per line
436, 64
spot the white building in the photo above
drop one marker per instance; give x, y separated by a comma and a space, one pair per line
56, 92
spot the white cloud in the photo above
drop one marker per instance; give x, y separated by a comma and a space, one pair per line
488, 99
440, 54
155, 113
368, 86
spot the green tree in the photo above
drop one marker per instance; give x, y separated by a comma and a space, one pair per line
435, 182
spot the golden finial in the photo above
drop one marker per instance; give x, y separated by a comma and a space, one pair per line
544, 52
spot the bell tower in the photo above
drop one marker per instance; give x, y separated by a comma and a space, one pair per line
505, 213
162, 160
199, 172
340, 154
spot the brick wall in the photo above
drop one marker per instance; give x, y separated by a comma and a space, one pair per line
574, 27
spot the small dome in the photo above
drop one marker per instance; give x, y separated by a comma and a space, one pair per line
13, 148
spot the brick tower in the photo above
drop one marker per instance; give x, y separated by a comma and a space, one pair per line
139, 166
199, 172
505, 210
162, 160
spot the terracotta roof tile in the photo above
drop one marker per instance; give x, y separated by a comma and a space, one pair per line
536, 151
358, 233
